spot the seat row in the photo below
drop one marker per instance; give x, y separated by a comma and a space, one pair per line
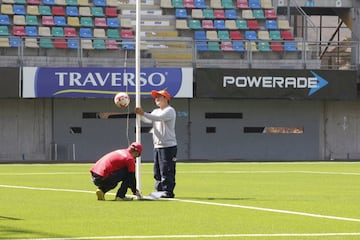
209, 13
242, 46
218, 4
59, 10
32, 31
100, 3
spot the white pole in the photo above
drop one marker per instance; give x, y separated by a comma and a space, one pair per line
138, 95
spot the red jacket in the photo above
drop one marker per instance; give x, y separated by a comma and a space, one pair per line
114, 161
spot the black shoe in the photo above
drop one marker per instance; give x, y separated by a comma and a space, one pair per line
168, 195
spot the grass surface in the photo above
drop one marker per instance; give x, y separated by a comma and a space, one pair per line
213, 200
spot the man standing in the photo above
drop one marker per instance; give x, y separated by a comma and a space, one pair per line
163, 121
114, 167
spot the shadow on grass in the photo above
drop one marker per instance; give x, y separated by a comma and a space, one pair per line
9, 218
7, 232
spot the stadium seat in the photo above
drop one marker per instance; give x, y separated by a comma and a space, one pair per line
264, 46
127, 33
247, 14
230, 24
197, 13
241, 24
71, 2
258, 14
99, 3
231, 14
73, 21
4, 31
85, 33
266, 4
128, 44
85, 11
112, 3
60, 43
290, 46
99, 44
44, 31
100, 22
99, 33
200, 4
223, 35
213, 46
8, 1
73, 43
194, 24
271, 25
270, 14
166, 4
182, 24
32, 10
111, 44
263, 35
31, 31
219, 24
19, 9
111, 12
235, 35
201, 46
286, 35
34, 2
208, 13
226, 46
242, 4
72, 11
19, 20
47, 21
283, 24
228, 4
219, 14
177, 3
97, 12
15, 42
31, 43
7, 9
112, 22
86, 22
45, 10
251, 46
216, 4
70, 32
189, 3
60, 2
4, 20
83, 3
211, 35
254, 4
86, 44
46, 43
57, 32
253, 24
250, 35
200, 35
60, 21
181, 13
275, 35
58, 11
31, 20
4, 42
207, 24
276, 46
18, 31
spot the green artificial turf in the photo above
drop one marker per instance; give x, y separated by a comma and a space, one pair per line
213, 201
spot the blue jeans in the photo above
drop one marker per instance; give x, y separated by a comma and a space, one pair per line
165, 168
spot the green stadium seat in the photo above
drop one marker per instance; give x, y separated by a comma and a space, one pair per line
57, 32
86, 22
31, 20
97, 12
113, 33
194, 24
213, 46
264, 46
4, 31
99, 44
45, 10
241, 24
275, 35
46, 43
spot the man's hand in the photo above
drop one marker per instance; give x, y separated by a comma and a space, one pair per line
139, 111
138, 194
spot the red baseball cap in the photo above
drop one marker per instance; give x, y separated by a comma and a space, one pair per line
163, 92
137, 147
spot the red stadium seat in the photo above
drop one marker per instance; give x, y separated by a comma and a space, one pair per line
69, 32
58, 11
19, 31
276, 47
111, 12
287, 35
253, 25
47, 21
270, 14
242, 4
127, 33
207, 24
219, 14
235, 35
111, 44
189, 4
60, 43
100, 22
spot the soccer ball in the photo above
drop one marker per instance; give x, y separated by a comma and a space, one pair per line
121, 100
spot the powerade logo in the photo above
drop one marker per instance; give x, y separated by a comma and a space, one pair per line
104, 82
314, 83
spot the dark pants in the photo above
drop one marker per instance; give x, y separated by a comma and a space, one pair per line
106, 184
165, 168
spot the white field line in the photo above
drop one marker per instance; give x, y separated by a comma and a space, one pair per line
206, 236
206, 203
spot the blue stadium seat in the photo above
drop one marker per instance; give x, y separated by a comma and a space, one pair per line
85, 33
128, 44
60, 21
73, 43
4, 20
99, 3
200, 35
250, 35
219, 24
31, 31
112, 22
238, 46
199, 4
19, 9
254, 4
201, 46
290, 46
48, 2
271, 25
72, 11
181, 13
230, 14
15, 42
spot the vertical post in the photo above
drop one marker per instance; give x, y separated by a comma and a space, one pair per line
138, 97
